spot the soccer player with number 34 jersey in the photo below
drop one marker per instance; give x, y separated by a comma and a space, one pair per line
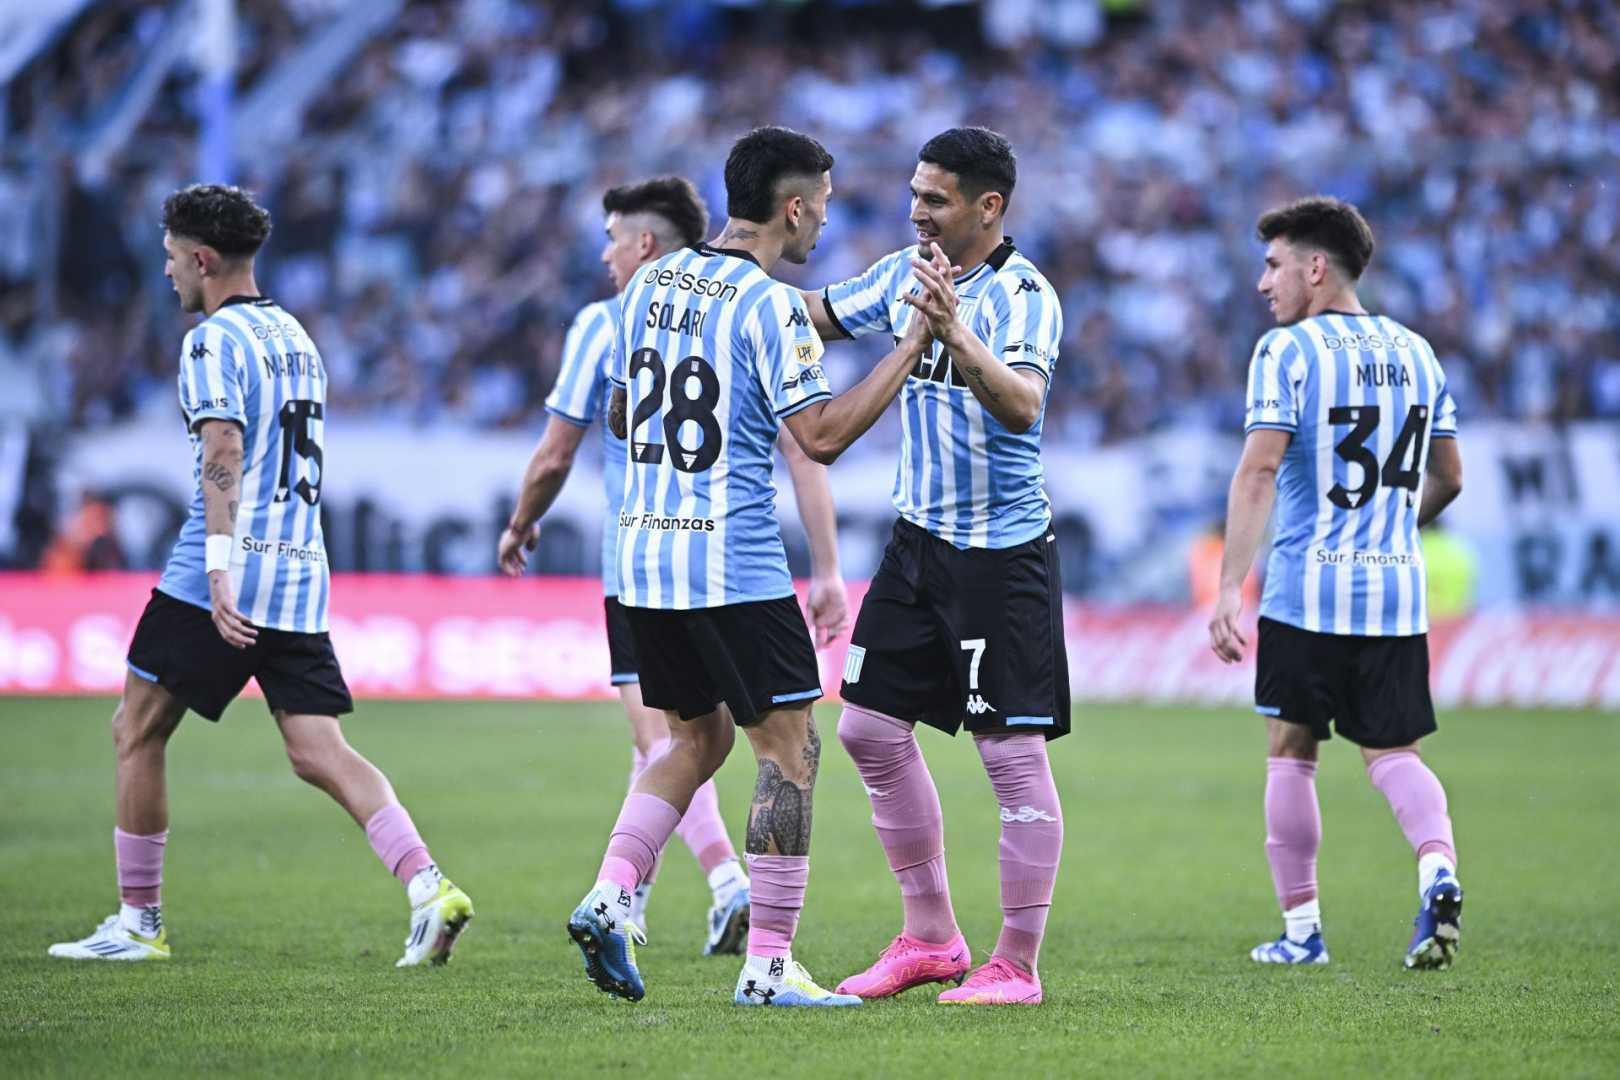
1353, 433
714, 356
963, 623
244, 594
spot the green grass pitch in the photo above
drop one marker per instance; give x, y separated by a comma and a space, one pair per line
285, 929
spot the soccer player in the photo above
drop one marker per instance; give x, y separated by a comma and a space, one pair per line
1349, 419
645, 221
963, 623
244, 594
712, 357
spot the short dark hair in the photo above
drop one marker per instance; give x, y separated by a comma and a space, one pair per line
981, 159
223, 217
760, 161
1322, 221
672, 198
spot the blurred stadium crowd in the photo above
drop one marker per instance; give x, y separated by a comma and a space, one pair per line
437, 215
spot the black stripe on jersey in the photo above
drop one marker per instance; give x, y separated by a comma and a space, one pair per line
826, 303
1031, 365
735, 253
256, 301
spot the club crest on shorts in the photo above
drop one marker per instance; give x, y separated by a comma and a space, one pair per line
853, 659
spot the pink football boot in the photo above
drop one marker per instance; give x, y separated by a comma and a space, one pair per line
908, 962
996, 983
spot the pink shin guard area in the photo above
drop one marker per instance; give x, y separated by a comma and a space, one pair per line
703, 830
907, 816
644, 826
140, 866
776, 898
1031, 839
1418, 800
394, 838
1293, 829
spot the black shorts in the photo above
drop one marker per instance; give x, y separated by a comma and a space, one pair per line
954, 638
621, 643
1374, 690
755, 657
177, 646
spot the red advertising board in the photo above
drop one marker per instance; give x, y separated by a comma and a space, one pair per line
418, 636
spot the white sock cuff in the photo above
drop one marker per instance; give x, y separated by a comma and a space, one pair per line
1429, 867
727, 875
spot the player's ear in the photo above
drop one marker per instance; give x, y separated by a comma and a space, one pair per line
990, 204
795, 211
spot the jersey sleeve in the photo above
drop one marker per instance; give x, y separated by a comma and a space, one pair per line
587, 353
787, 353
1445, 406
210, 377
861, 305
1273, 385
1021, 322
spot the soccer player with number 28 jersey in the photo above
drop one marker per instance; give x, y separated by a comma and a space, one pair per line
714, 356
963, 623
1351, 430
645, 221
244, 594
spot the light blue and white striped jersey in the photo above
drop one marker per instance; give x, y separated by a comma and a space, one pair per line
1362, 395
714, 353
252, 363
578, 398
962, 475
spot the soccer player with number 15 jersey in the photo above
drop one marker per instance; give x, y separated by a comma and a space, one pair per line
244, 594
1352, 431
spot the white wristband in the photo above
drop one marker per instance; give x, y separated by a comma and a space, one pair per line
217, 551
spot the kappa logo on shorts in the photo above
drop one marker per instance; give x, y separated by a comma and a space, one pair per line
1024, 814
853, 659
976, 706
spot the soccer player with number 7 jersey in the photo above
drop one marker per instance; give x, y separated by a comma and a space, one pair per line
1352, 432
244, 595
713, 357
963, 623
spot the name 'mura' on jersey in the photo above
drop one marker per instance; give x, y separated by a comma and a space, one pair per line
587, 365
962, 475
714, 354
1362, 395
252, 363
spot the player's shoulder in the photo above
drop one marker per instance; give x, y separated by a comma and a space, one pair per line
1018, 272
596, 315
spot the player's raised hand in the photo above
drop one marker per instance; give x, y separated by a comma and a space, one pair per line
935, 300
236, 630
1224, 636
511, 554
829, 609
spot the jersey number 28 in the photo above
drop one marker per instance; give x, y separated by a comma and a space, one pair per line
684, 406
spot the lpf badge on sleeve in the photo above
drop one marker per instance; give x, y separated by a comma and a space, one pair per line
806, 353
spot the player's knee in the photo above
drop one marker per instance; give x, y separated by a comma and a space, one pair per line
710, 742
311, 761
1293, 741
864, 735
133, 730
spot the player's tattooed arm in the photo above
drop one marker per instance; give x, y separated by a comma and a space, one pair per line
221, 473
615, 416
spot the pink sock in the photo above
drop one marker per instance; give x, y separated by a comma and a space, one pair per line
1419, 802
394, 838
1031, 840
639, 760
776, 898
906, 815
641, 832
140, 866
1293, 829
703, 830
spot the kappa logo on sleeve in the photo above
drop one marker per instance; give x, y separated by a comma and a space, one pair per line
1027, 285
798, 318
201, 351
